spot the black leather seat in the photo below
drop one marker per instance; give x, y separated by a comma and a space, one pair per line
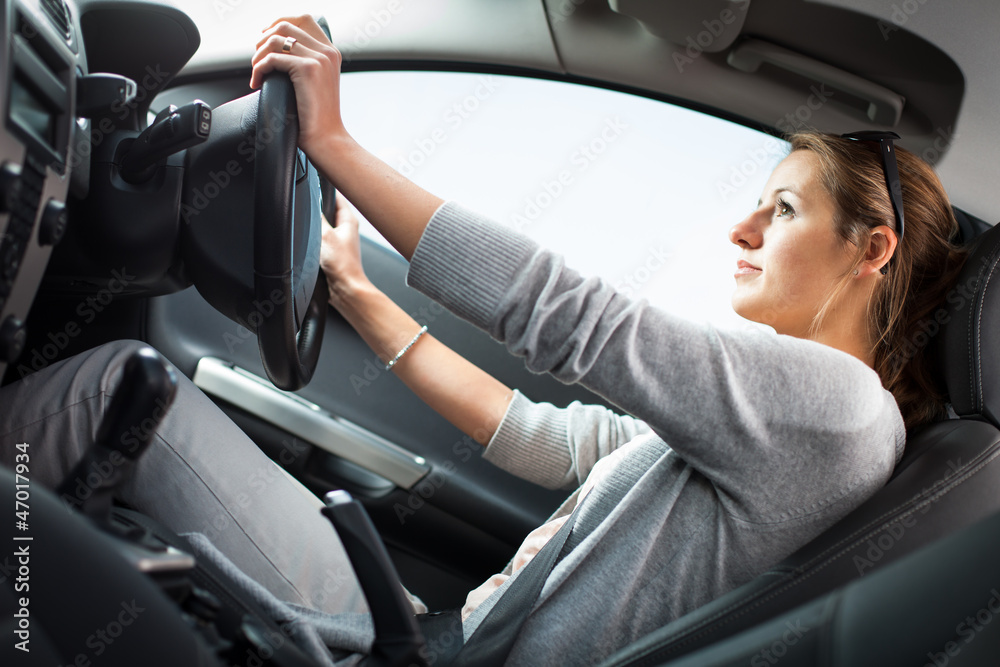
948, 479
937, 607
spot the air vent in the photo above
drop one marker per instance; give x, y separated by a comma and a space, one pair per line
58, 11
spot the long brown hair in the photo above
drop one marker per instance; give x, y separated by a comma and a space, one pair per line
923, 269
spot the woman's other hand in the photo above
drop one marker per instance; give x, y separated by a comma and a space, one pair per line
340, 255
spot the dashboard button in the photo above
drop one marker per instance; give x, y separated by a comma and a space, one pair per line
53, 223
10, 186
13, 336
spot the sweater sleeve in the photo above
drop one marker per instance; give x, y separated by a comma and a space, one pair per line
756, 413
558, 447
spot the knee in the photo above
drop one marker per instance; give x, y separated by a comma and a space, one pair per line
106, 364
121, 347
112, 357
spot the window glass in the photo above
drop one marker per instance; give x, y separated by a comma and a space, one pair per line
633, 190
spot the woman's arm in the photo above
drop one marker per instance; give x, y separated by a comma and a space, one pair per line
752, 414
462, 393
551, 446
755, 414
395, 206
468, 397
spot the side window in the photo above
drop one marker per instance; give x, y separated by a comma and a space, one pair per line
636, 191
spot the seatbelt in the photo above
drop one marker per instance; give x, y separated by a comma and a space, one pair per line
491, 642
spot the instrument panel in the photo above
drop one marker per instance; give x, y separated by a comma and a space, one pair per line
39, 73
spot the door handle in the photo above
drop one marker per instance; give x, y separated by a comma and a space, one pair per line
310, 422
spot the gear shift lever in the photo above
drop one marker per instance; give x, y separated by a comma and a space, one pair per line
398, 642
141, 400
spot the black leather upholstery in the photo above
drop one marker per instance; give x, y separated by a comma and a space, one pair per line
971, 339
949, 478
936, 607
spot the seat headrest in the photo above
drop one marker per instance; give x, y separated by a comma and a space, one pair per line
969, 344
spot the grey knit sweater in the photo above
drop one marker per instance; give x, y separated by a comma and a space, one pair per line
743, 446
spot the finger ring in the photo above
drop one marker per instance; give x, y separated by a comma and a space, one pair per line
289, 43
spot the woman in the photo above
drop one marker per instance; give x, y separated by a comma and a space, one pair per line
740, 448
749, 445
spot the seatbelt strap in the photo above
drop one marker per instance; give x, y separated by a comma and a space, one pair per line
491, 642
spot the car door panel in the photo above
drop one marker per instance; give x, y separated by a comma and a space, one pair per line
457, 523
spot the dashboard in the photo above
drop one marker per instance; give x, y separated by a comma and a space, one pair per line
93, 186
38, 166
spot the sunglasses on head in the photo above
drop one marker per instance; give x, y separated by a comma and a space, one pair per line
889, 167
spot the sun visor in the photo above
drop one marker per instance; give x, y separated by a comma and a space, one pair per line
678, 21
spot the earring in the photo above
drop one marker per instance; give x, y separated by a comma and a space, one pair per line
855, 272
884, 269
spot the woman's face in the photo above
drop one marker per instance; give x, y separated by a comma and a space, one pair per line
790, 257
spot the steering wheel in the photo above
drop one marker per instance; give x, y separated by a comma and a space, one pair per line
289, 288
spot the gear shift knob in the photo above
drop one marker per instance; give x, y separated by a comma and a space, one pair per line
141, 400
147, 389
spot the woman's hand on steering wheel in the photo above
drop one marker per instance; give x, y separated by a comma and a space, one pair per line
340, 255
398, 208
313, 64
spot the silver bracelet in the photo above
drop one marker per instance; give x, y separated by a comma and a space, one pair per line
399, 355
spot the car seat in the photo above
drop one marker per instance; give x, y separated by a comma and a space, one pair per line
948, 479
933, 607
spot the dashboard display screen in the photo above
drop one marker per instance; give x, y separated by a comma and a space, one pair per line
31, 114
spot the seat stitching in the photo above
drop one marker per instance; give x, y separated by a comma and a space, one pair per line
235, 520
971, 345
50, 415
979, 338
785, 586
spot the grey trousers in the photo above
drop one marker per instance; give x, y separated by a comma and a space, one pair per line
201, 474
